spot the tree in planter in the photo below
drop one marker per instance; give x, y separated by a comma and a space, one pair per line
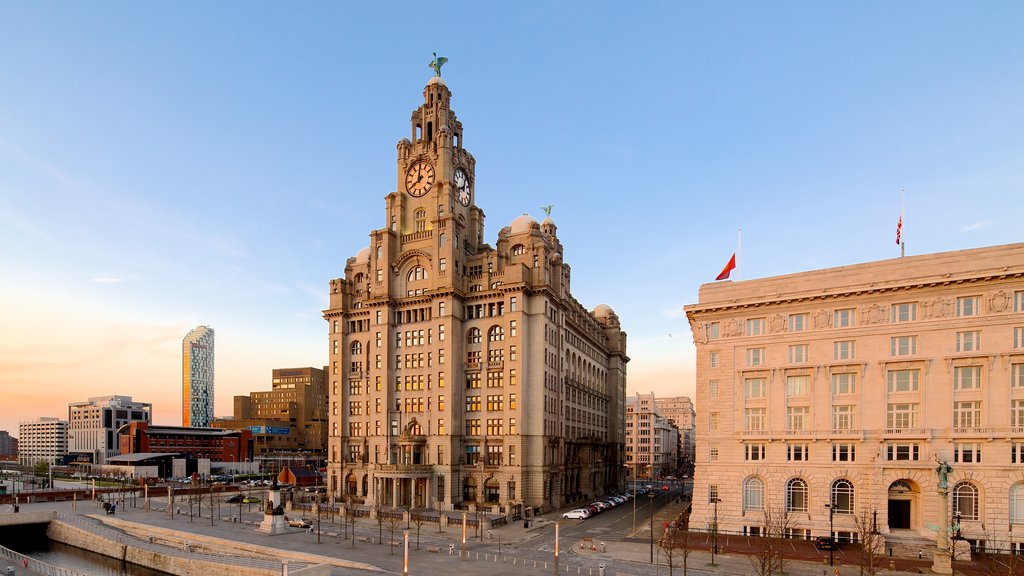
393, 522
712, 532
872, 550
770, 560
677, 543
418, 520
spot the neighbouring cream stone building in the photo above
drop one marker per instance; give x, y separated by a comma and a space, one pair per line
843, 387
678, 410
652, 442
461, 374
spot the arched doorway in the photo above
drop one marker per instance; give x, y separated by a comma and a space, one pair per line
903, 504
491, 491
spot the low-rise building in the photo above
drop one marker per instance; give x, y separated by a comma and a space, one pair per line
43, 440
93, 425
187, 441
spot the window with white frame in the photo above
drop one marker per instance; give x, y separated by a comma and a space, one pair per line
755, 419
901, 416
965, 501
844, 317
798, 353
842, 496
903, 345
713, 359
712, 389
755, 327
753, 452
797, 386
712, 421
1018, 337
904, 312
797, 418
904, 380
796, 495
844, 383
902, 451
796, 452
1018, 301
843, 350
968, 306
798, 322
713, 453
755, 388
753, 494
967, 378
1017, 503
712, 492
968, 341
844, 452
1017, 453
713, 330
1017, 375
967, 414
1017, 413
755, 356
967, 452
844, 417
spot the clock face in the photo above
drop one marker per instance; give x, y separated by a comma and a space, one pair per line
419, 178
462, 186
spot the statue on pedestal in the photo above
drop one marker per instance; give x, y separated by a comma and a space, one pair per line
943, 470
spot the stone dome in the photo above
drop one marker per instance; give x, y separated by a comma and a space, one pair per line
523, 224
436, 80
603, 311
363, 255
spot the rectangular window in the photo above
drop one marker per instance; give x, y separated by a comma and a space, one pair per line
1017, 413
713, 330
967, 414
904, 380
796, 452
512, 328
904, 312
843, 350
713, 453
713, 493
798, 353
798, 322
1017, 453
797, 418
797, 386
712, 389
844, 383
754, 452
713, 359
901, 416
755, 326
969, 453
905, 452
967, 378
755, 419
844, 417
513, 304
755, 387
1017, 375
968, 306
755, 356
903, 345
968, 341
844, 452
472, 403
845, 317
712, 421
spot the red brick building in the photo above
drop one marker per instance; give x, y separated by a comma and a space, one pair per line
213, 443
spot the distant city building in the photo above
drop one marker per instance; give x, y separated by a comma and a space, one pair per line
652, 442
43, 440
463, 374
837, 391
93, 425
291, 417
8, 446
188, 442
197, 377
678, 410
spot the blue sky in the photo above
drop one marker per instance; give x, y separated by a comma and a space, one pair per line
164, 165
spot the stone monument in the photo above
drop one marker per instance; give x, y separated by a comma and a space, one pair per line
942, 563
273, 514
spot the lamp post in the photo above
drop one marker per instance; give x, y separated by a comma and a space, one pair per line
462, 553
714, 544
405, 560
956, 537
832, 545
556, 548
651, 497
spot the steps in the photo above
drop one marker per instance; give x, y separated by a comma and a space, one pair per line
909, 544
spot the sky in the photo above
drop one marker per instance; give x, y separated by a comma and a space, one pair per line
166, 165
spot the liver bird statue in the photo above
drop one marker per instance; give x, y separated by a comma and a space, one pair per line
547, 209
436, 64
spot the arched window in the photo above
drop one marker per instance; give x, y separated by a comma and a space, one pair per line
753, 494
965, 501
360, 278
417, 273
420, 218
842, 496
496, 334
473, 336
796, 495
1017, 503
357, 348
469, 489
518, 250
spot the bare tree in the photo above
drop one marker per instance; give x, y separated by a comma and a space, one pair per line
998, 556
418, 520
872, 544
677, 542
352, 518
770, 559
393, 522
712, 532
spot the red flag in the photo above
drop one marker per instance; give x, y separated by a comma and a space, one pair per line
728, 268
899, 229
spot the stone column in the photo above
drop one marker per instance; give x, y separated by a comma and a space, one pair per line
942, 563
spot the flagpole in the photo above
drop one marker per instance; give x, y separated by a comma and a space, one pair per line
903, 231
739, 244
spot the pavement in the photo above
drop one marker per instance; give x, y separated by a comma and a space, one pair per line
510, 550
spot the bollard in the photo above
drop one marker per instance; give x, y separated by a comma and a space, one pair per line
600, 570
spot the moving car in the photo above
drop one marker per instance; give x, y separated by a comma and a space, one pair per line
577, 514
299, 522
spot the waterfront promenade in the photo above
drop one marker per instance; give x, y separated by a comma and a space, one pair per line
522, 550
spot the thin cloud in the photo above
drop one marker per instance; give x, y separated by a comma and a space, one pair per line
108, 280
976, 226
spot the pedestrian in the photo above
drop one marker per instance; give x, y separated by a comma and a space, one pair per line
451, 549
310, 529
490, 535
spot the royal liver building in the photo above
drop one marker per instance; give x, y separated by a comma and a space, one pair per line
465, 375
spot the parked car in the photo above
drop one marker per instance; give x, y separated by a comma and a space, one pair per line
593, 509
577, 514
299, 522
824, 543
600, 505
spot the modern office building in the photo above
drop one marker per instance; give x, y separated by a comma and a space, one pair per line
290, 418
678, 410
43, 440
93, 425
8, 446
464, 374
186, 441
830, 395
197, 367
652, 442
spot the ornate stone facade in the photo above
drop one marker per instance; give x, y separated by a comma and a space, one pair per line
463, 374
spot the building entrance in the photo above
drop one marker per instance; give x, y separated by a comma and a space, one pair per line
899, 514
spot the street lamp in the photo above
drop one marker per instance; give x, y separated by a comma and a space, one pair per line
714, 544
651, 496
832, 545
957, 536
